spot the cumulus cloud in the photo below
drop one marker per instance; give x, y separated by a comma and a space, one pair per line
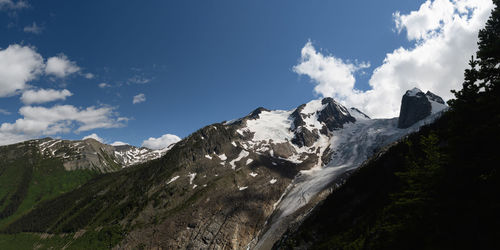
18, 65
333, 76
139, 98
95, 137
33, 28
104, 85
44, 95
12, 5
161, 142
445, 36
22, 64
60, 66
37, 121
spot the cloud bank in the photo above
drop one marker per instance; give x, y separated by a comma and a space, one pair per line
37, 121
444, 33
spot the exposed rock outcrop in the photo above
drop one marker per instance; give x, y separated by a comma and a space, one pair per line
415, 106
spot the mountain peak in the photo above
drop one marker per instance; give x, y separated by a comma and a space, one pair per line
415, 106
414, 92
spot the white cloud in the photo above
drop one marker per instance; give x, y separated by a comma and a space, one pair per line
11, 5
333, 76
161, 142
60, 66
95, 137
44, 95
104, 85
18, 65
4, 112
445, 36
10, 138
38, 121
139, 79
119, 143
33, 28
139, 98
88, 75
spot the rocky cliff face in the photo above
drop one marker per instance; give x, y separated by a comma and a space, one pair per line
416, 106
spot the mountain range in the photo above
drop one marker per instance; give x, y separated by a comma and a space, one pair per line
235, 184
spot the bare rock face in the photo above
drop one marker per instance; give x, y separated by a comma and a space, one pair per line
334, 115
416, 106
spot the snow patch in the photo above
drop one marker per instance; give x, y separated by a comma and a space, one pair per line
223, 157
310, 114
253, 174
249, 161
358, 115
242, 188
437, 107
242, 155
173, 179
208, 157
273, 180
271, 125
191, 177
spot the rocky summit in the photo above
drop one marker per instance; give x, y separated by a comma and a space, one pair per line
416, 106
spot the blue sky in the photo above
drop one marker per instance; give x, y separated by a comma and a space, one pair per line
200, 62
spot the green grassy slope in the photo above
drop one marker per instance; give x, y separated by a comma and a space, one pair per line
26, 180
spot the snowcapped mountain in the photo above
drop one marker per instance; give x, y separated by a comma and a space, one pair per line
346, 149
236, 184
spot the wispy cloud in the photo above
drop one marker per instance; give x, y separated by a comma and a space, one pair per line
13, 5
103, 85
4, 112
139, 79
139, 98
33, 28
